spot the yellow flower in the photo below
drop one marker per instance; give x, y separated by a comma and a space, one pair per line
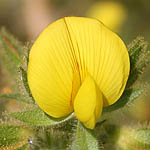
79, 65
112, 14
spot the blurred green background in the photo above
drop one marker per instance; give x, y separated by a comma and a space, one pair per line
25, 19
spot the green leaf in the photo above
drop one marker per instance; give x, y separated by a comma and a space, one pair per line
127, 98
13, 49
10, 96
139, 58
11, 52
12, 42
84, 139
12, 137
37, 117
18, 97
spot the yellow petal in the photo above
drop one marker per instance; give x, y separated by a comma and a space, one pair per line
88, 102
102, 53
52, 70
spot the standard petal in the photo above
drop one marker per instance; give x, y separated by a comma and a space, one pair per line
102, 53
88, 102
52, 70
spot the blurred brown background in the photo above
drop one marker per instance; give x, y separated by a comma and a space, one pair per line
26, 18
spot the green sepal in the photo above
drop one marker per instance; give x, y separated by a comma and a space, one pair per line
139, 58
127, 98
85, 139
27, 48
25, 82
36, 117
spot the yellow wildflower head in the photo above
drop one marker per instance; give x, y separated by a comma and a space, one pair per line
112, 14
77, 64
